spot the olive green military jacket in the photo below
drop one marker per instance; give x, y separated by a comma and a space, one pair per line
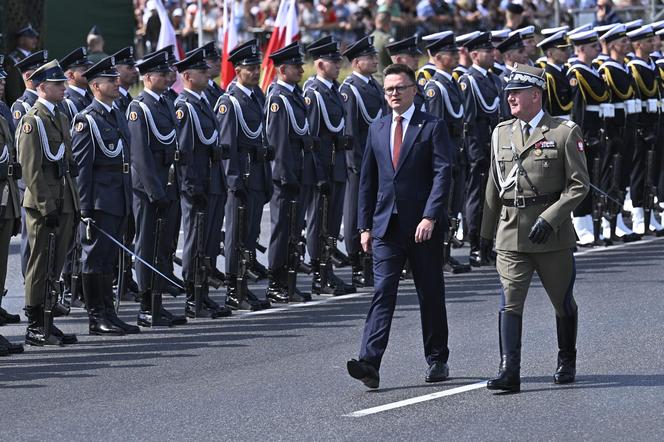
554, 160
44, 191
8, 189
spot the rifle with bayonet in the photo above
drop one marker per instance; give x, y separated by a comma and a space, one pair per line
650, 190
51, 288
201, 265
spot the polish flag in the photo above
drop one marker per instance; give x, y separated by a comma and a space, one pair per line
285, 31
230, 42
167, 37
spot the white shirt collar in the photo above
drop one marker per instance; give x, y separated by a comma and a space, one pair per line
244, 89
445, 74
32, 92
480, 69
195, 94
80, 91
106, 106
327, 83
535, 121
553, 65
123, 91
406, 115
50, 106
210, 82
290, 87
362, 77
153, 94
25, 52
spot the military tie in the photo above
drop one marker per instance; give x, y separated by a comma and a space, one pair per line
526, 133
398, 139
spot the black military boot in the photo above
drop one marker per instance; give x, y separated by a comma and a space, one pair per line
145, 316
232, 299
190, 309
11, 348
35, 332
358, 279
509, 325
338, 282
93, 292
216, 310
276, 292
109, 307
255, 301
317, 286
5, 316
566, 329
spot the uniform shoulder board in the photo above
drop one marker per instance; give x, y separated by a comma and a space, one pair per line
506, 122
569, 123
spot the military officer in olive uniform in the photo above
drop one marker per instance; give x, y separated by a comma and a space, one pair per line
10, 215
153, 150
364, 103
325, 113
538, 176
77, 96
100, 139
201, 176
445, 101
27, 39
590, 98
288, 132
482, 90
242, 132
51, 200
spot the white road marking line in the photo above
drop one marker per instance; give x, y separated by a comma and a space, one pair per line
416, 400
301, 305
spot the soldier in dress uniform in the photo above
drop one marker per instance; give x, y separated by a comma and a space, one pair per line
26, 67
5, 111
288, 132
445, 101
27, 39
427, 71
498, 37
77, 95
406, 52
364, 103
527, 34
558, 97
325, 113
513, 52
10, 222
153, 150
213, 91
100, 146
538, 175
242, 133
546, 33
646, 81
201, 174
604, 52
482, 91
51, 200
590, 95
326, 39
621, 129
126, 67
464, 56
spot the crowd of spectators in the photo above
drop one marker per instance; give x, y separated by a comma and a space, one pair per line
348, 20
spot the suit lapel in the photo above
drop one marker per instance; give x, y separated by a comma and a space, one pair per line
414, 127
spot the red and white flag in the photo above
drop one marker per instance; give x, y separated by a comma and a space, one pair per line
285, 31
230, 42
167, 37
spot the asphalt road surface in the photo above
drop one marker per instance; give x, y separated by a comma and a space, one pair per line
280, 374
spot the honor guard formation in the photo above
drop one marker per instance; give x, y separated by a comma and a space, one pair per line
551, 141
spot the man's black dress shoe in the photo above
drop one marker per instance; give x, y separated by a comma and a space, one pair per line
437, 372
363, 371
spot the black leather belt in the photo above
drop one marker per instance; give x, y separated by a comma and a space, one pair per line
526, 201
118, 168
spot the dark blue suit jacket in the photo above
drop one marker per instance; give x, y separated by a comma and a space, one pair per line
420, 184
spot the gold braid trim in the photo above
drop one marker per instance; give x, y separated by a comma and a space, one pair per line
585, 88
609, 79
641, 84
551, 90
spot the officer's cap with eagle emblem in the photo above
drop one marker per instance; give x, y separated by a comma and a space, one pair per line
524, 76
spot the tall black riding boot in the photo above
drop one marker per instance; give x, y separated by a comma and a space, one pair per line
35, 333
276, 291
145, 316
566, 329
93, 292
109, 307
509, 325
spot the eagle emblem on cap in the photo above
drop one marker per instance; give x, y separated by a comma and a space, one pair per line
223, 109
79, 127
133, 116
27, 128
431, 93
179, 114
274, 107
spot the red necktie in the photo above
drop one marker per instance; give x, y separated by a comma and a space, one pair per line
398, 138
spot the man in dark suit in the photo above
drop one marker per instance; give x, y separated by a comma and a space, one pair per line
404, 185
